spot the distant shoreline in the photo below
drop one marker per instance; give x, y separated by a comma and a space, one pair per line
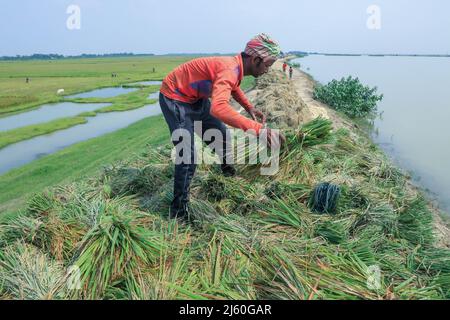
39, 56
370, 54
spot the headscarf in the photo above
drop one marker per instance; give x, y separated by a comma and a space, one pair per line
263, 46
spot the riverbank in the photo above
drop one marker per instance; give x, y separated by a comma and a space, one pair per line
304, 84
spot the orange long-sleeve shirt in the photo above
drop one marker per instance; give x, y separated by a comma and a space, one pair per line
217, 78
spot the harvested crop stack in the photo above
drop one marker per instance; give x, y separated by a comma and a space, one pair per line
279, 100
251, 237
315, 132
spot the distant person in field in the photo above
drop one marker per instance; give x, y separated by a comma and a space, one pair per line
200, 90
284, 67
291, 72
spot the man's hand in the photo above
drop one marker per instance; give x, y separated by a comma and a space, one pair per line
275, 138
257, 115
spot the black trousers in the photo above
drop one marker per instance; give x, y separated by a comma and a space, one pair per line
180, 115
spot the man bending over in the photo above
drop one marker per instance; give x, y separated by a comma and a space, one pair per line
200, 91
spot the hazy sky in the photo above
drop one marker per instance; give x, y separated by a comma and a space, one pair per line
166, 26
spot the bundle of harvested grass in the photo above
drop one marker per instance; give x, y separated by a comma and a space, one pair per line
47, 228
280, 103
137, 181
333, 231
116, 249
415, 223
315, 132
29, 274
283, 190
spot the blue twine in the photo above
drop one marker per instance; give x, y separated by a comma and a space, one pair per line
325, 198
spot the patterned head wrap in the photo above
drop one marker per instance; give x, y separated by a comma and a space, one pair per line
263, 46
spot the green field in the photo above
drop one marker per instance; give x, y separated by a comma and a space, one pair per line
77, 75
74, 76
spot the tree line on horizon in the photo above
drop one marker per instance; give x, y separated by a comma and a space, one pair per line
54, 56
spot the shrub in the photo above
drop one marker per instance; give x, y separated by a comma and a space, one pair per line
350, 96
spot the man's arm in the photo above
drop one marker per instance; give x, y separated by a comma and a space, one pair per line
240, 97
221, 108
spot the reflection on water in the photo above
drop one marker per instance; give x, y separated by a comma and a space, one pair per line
416, 110
145, 83
103, 93
153, 95
46, 113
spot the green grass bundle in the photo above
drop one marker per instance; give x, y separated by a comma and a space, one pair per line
354, 197
200, 211
24, 228
288, 212
215, 187
41, 203
315, 132
280, 277
116, 249
333, 231
226, 272
380, 217
27, 273
230, 194
48, 225
281, 190
137, 181
415, 223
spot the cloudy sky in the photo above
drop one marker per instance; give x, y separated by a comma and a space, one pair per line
224, 26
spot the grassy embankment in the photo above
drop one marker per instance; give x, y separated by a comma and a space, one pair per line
251, 237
